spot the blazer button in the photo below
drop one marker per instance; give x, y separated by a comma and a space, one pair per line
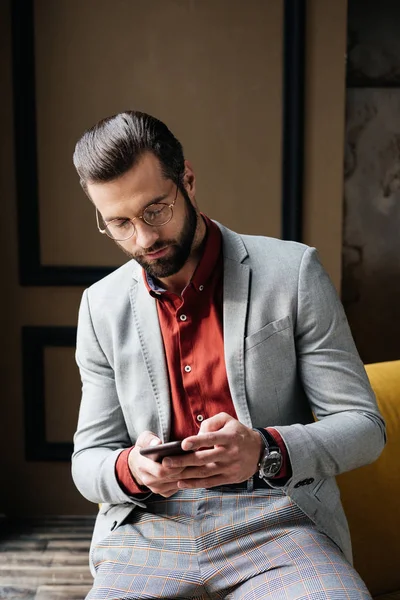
113, 526
304, 482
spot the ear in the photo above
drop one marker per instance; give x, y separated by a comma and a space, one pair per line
189, 179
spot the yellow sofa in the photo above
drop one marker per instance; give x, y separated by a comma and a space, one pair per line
371, 495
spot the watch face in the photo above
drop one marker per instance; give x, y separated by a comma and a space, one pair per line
270, 464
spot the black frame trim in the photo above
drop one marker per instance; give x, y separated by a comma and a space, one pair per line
360, 82
34, 341
294, 52
31, 271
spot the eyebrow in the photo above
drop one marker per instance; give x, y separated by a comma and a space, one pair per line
154, 201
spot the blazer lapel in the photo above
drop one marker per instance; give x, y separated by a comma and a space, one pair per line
235, 304
146, 321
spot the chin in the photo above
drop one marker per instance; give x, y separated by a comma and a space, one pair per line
161, 271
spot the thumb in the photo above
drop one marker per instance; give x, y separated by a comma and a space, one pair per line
147, 438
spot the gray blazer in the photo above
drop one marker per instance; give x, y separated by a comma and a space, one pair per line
289, 357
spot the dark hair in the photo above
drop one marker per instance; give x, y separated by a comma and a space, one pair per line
115, 144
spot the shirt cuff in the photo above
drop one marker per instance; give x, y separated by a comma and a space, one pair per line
125, 477
286, 469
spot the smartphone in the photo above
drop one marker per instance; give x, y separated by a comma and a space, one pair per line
157, 453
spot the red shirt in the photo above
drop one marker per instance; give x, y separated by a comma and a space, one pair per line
191, 328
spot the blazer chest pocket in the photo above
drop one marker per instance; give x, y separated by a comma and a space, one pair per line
266, 332
327, 492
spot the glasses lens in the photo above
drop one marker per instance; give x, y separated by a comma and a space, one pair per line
120, 229
157, 214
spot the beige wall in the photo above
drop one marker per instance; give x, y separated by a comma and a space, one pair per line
214, 75
324, 131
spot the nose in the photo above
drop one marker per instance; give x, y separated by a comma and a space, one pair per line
146, 235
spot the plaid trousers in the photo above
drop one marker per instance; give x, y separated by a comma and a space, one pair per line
213, 544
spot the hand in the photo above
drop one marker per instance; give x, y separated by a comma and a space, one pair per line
231, 455
157, 477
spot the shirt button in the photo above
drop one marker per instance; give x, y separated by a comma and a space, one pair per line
201, 287
200, 418
183, 317
188, 369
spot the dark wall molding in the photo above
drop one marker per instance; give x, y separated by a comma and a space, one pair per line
353, 82
34, 342
31, 271
294, 52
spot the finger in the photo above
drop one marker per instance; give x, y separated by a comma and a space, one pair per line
203, 472
171, 474
139, 466
195, 459
166, 492
147, 438
169, 493
152, 474
215, 423
164, 489
206, 440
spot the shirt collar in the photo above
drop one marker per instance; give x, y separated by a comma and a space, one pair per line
206, 265
209, 258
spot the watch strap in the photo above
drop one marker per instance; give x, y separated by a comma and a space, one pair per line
268, 439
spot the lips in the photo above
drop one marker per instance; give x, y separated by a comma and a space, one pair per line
158, 254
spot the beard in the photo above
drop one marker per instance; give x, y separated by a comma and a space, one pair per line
179, 248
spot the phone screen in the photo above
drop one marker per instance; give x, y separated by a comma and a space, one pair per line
157, 453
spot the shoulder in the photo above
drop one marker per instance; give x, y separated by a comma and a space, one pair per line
273, 247
264, 252
113, 288
282, 264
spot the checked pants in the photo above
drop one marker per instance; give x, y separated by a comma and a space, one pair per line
213, 544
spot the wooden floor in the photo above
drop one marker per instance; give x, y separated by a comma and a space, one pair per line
45, 559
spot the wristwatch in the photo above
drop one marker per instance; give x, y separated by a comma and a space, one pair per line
271, 460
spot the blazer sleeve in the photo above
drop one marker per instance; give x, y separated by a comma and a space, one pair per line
349, 431
101, 432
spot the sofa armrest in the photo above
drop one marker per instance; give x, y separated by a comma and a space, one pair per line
371, 494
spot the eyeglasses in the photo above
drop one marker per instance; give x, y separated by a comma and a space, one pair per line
155, 215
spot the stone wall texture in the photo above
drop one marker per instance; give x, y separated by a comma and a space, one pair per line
371, 228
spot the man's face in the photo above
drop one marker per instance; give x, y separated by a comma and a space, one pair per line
161, 251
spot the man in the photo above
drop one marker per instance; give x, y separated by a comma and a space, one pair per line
232, 344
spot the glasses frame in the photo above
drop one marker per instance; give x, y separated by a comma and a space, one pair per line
104, 231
